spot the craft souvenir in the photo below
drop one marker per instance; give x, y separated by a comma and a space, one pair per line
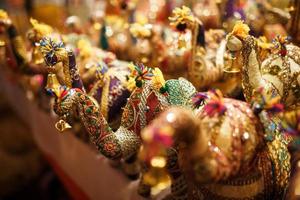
16, 49
120, 40
109, 89
73, 40
120, 34
96, 29
256, 14
65, 72
115, 28
278, 73
89, 57
151, 95
105, 84
153, 45
35, 34
219, 151
19, 59
137, 40
40, 30
153, 50
208, 59
54, 53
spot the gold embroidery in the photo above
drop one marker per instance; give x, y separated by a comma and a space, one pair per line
104, 97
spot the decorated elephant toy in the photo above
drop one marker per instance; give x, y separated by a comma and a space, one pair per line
221, 150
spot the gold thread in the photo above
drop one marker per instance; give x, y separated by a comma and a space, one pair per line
104, 97
66, 69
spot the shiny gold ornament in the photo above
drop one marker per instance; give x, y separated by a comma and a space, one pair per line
53, 83
62, 125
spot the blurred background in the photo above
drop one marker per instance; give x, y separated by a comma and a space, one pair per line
24, 173
21, 10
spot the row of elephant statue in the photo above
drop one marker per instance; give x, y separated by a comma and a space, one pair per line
178, 132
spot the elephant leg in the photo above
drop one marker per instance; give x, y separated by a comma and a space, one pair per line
179, 186
144, 189
131, 167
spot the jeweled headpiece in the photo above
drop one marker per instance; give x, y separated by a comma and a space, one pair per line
181, 17
240, 30
52, 50
141, 73
40, 29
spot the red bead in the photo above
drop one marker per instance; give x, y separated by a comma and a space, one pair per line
283, 52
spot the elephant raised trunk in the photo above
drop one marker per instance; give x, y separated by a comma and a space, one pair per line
277, 72
220, 149
55, 53
114, 145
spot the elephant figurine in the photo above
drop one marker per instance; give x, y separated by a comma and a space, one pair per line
88, 56
277, 72
108, 90
204, 68
16, 49
114, 33
219, 150
155, 47
20, 59
207, 60
151, 94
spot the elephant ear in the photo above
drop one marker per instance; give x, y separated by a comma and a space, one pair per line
180, 92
